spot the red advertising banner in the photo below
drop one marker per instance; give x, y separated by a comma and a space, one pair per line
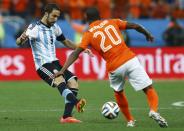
162, 62
18, 64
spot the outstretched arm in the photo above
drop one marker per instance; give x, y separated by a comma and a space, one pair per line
71, 59
140, 29
70, 44
22, 39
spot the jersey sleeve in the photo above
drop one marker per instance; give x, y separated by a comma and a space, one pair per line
59, 34
85, 40
32, 31
58, 31
121, 24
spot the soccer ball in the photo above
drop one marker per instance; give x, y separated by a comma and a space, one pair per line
110, 110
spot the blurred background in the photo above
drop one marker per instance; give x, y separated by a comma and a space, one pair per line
164, 18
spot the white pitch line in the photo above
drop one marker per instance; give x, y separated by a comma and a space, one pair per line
88, 109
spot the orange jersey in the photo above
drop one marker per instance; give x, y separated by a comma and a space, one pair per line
106, 38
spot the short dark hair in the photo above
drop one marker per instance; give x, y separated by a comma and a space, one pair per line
50, 7
92, 14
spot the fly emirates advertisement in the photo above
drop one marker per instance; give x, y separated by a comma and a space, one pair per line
159, 63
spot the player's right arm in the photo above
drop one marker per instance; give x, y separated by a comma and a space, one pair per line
30, 33
140, 29
71, 59
22, 39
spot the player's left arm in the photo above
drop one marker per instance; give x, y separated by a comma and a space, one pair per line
71, 59
140, 29
70, 44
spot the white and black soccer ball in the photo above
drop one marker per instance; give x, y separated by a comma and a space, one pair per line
110, 110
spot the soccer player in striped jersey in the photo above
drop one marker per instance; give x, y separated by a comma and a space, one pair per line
105, 37
42, 36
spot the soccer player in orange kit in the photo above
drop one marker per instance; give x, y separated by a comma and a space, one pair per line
105, 37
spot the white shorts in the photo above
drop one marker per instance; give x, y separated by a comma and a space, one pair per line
135, 73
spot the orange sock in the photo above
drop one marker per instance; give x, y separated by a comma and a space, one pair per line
152, 98
123, 105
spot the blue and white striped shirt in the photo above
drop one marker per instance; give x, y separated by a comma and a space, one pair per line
42, 40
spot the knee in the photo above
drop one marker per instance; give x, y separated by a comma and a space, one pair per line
58, 80
73, 84
148, 88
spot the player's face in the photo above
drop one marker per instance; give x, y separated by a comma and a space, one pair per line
53, 17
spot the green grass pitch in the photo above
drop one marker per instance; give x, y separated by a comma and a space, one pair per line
34, 106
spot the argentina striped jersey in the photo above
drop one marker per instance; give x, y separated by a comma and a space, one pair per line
42, 40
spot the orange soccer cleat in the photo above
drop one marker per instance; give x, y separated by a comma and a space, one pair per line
80, 105
69, 120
